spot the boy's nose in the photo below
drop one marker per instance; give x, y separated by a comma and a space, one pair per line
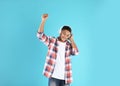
66, 37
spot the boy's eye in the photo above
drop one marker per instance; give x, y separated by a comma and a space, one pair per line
68, 35
64, 33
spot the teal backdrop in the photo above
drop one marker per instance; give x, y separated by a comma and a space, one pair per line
95, 25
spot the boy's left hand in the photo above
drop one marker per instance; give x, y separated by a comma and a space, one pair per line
71, 38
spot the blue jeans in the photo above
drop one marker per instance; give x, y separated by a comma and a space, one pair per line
57, 82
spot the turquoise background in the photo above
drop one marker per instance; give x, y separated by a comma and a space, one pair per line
95, 25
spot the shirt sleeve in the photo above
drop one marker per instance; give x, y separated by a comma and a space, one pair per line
44, 38
74, 51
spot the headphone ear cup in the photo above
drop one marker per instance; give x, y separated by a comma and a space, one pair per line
59, 30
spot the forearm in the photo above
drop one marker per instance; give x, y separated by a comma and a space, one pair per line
73, 44
74, 48
41, 27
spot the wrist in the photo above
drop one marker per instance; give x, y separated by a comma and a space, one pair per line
43, 20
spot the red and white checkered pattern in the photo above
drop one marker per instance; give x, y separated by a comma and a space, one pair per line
52, 44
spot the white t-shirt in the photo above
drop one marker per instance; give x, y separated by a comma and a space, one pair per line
59, 70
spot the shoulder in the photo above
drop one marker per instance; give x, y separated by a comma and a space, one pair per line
52, 39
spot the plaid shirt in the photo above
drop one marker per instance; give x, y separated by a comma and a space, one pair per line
52, 44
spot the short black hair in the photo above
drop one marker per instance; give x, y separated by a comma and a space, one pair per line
67, 28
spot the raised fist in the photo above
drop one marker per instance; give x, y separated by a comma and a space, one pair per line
44, 16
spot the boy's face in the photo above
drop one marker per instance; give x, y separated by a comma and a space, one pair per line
65, 35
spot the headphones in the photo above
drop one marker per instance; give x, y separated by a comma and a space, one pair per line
59, 30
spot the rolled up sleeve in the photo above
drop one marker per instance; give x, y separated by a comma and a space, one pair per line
44, 38
74, 51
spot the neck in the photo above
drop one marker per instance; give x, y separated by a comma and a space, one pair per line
60, 39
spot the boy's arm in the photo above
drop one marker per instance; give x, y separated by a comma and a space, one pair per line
72, 42
74, 47
44, 38
44, 18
